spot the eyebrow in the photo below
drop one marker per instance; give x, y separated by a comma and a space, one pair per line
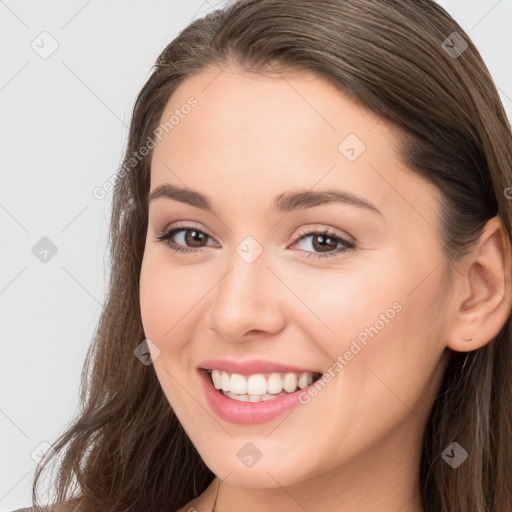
286, 202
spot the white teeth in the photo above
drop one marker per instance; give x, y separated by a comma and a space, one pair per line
303, 381
256, 385
274, 383
237, 384
240, 398
216, 378
252, 398
224, 382
260, 385
290, 382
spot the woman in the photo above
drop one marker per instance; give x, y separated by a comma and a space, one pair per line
310, 243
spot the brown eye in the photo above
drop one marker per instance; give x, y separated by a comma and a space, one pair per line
184, 239
324, 244
194, 238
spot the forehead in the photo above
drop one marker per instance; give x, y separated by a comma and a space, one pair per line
267, 108
267, 134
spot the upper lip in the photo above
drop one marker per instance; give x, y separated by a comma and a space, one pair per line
252, 366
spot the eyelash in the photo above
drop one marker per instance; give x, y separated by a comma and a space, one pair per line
165, 237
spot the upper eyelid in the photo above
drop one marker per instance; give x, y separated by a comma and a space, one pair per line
302, 232
188, 227
333, 231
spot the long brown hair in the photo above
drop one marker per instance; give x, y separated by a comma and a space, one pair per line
126, 450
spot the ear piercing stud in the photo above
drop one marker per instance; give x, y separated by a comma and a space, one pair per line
468, 338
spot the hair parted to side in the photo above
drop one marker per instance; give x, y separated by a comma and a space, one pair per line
126, 450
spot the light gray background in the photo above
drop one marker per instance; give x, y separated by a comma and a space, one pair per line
64, 123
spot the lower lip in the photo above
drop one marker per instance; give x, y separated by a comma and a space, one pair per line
247, 413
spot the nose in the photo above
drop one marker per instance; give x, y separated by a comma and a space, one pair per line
248, 301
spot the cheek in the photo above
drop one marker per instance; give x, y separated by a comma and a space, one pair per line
373, 321
384, 361
393, 344
166, 297
336, 306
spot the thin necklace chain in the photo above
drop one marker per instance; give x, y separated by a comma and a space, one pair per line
215, 500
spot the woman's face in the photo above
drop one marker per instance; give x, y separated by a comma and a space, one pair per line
262, 281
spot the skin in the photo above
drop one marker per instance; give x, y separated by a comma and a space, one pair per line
356, 445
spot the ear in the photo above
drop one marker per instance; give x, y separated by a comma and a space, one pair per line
482, 292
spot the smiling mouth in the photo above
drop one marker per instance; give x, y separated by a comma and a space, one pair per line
261, 386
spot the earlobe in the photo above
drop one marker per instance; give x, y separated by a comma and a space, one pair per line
483, 291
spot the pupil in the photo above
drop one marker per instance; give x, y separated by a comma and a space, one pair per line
323, 239
194, 236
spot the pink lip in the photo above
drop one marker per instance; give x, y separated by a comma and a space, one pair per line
247, 413
252, 366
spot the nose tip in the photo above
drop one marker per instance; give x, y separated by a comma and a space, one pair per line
246, 300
